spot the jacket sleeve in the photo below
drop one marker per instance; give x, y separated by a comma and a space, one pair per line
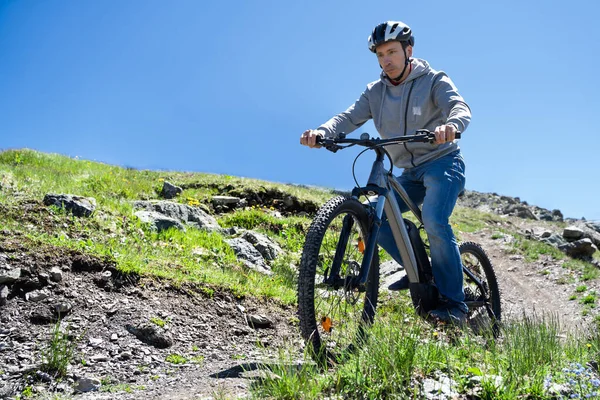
454, 107
351, 119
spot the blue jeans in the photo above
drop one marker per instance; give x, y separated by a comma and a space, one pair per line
436, 185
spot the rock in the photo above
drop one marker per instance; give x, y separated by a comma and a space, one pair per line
226, 201
258, 321
248, 253
56, 274
9, 275
35, 296
388, 268
170, 191
99, 358
95, 342
87, 385
151, 334
43, 376
572, 233
555, 240
42, 317
520, 211
77, 205
3, 294
594, 226
441, 388
114, 337
62, 308
159, 222
583, 248
184, 214
263, 244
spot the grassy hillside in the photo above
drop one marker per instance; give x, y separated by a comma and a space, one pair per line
531, 360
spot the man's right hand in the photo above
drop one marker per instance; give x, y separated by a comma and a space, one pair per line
309, 138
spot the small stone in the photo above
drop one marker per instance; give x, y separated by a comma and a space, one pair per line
3, 295
62, 308
96, 342
35, 296
106, 275
100, 358
87, 385
125, 355
56, 274
258, 321
114, 337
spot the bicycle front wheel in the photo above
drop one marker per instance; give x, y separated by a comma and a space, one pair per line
482, 294
334, 317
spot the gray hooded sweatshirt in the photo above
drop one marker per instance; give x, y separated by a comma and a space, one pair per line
424, 100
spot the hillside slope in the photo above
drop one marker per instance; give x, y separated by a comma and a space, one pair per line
154, 297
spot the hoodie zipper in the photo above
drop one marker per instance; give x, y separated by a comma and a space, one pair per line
412, 156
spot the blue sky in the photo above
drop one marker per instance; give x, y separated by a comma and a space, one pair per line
228, 87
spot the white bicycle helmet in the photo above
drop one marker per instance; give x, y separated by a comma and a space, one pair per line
390, 31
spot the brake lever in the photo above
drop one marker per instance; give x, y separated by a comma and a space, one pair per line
326, 143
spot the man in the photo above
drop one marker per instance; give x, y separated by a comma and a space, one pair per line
410, 95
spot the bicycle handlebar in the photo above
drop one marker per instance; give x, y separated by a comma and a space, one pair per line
333, 145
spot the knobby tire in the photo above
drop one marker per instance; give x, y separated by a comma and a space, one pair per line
350, 313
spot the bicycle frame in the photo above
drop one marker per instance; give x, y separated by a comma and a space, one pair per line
385, 186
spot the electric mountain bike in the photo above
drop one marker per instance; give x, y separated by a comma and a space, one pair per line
338, 282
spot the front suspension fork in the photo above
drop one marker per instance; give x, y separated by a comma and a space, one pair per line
334, 279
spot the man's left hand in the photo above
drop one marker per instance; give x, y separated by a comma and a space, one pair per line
445, 133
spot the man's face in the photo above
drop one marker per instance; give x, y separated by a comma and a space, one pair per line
391, 58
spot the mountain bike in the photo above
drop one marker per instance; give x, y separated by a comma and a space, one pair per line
338, 282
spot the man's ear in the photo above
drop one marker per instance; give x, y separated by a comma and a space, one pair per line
409, 49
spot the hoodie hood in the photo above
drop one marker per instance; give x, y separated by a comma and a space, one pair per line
419, 68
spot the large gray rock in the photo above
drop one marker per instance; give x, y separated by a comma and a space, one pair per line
248, 254
554, 239
77, 205
583, 248
263, 244
158, 221
572, 233
188, 215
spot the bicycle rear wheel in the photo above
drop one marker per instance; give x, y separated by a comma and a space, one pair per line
482, 294
334, 317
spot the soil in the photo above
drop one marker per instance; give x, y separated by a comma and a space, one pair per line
213, 331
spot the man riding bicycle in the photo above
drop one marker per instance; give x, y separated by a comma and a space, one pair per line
410, 95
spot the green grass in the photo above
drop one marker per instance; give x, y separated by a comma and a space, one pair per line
400, 355
175, 358
58, 352
158, 321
